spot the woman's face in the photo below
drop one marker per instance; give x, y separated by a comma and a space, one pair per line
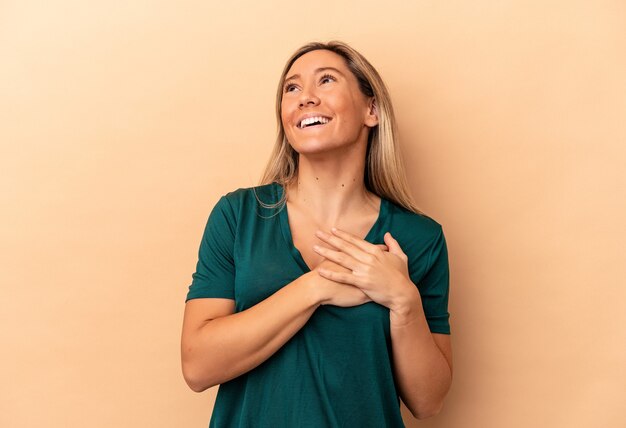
320, 85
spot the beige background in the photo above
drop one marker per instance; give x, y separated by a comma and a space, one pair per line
123, 122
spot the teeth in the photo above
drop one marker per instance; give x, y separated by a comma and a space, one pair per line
314, 119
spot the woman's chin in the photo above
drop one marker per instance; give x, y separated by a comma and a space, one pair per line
318, 148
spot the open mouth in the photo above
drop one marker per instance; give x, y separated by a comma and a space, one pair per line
313, 122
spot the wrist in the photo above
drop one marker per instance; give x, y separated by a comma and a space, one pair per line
313, 290
407, 304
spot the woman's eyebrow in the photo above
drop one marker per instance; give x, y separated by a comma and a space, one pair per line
317, 70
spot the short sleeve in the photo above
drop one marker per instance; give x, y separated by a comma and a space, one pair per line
434, 287
215, 269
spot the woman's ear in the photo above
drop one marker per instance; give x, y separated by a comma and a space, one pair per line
372, 116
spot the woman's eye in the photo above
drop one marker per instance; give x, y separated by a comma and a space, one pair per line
324, 78
327, 77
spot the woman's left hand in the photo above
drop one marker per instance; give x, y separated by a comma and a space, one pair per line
382, 275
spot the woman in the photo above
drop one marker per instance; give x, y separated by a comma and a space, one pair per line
320, 297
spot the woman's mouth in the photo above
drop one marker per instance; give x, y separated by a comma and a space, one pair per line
312, 122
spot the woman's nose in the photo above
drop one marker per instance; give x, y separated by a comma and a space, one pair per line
308, 97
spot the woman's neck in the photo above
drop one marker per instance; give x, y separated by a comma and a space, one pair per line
331, 189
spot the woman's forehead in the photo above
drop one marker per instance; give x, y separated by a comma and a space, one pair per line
311, 61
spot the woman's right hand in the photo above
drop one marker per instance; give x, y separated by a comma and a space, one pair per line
337, 293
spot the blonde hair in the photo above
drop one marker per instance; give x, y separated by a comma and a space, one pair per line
384, 170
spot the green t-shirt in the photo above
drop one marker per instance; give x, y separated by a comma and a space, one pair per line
337, 370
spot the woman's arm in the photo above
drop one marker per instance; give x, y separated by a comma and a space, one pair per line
216, 350
218, 345
422, 360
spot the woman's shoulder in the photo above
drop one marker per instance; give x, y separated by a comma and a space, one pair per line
413, 223
253, 196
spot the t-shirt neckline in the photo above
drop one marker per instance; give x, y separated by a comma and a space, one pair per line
286, 230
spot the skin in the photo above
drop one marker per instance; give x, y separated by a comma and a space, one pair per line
345, 269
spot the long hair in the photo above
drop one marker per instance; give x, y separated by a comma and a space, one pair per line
384, 171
